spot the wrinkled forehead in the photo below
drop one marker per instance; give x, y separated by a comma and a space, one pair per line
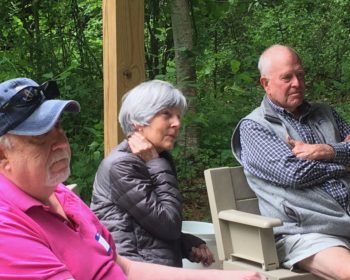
284, 64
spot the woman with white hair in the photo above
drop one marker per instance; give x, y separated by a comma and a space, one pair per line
135, 192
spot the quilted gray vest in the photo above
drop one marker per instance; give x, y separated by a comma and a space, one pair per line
302, 210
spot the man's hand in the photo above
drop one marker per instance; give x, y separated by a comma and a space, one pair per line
311, 151
202, 254
141, 147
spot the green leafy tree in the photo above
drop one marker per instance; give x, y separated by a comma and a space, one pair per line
62, 40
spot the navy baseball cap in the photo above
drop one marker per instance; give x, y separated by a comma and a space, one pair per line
27, 108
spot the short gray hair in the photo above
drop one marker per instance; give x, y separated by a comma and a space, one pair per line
144, 101
5, 141
265, 58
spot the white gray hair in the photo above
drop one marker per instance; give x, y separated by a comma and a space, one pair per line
5, 141
265, 58
144, 101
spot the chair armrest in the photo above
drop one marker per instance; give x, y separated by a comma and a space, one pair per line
250, 237
249, 219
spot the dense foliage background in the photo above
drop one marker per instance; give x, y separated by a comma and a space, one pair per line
62, 40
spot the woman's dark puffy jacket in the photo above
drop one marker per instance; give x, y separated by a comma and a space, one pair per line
140, 204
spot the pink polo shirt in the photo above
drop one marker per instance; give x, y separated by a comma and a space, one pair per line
36, 243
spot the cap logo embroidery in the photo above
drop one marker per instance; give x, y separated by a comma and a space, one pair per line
27, 95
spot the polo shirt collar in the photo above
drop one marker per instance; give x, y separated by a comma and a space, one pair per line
14, 195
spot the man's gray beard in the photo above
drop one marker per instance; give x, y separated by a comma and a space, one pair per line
53, 180
58, 178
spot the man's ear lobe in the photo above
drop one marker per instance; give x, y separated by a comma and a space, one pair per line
2, 152
4, 163
264, 81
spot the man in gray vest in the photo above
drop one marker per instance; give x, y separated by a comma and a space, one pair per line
296, 156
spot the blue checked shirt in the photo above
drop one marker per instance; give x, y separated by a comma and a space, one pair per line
270, 158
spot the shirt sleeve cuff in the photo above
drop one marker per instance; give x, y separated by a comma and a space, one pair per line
341, 152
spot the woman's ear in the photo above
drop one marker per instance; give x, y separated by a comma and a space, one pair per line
138, 127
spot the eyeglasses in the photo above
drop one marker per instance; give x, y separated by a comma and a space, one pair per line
31, 96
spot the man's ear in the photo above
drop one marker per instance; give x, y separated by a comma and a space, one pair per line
4, 162
264, 81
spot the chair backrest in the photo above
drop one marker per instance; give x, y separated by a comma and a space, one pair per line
227, 188
231, 189
244, 197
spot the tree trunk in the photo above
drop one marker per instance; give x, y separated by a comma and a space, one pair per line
185, 67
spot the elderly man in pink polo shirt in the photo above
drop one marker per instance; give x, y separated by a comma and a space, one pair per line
46, 231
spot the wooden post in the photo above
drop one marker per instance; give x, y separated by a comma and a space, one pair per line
123, 60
